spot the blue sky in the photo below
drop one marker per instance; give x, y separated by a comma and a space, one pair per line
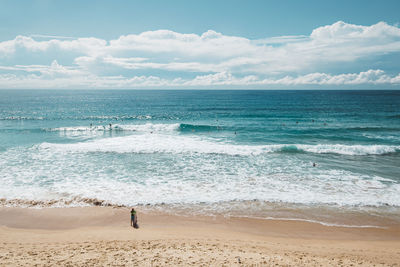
200, 44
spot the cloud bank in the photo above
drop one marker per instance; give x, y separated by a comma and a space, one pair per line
340, 55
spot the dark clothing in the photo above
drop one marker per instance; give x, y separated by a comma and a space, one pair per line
133, 216
134, 219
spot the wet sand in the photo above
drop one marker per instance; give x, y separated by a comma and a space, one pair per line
96, 236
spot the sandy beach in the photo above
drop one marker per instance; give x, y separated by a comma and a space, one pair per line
243, 133
96, 236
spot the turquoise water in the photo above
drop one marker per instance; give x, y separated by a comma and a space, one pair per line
247, 153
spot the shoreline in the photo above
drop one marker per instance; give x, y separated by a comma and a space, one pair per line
104, 236
323, 214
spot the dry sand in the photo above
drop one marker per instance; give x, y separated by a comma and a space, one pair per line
99, 236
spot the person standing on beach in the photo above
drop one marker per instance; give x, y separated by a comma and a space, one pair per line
134, 218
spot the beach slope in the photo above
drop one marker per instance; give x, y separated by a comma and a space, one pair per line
102, 236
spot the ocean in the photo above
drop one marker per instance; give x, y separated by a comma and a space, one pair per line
331, 157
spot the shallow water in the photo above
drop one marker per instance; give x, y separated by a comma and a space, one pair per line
243, 153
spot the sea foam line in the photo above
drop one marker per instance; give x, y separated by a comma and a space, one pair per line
176, 144
314, 221
148, 127
87, 202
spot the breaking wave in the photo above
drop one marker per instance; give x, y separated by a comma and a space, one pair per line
175, 144
148, 127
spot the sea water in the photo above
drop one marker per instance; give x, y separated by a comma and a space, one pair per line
326, 156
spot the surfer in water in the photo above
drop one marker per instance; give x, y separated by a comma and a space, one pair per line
134, 219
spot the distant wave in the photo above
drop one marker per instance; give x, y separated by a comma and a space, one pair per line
340, 130
148, 127
111, 118
118, 117
199, 128
332, 134
19, 118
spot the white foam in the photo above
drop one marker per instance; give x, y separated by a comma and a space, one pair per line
160, 143
96, 130
349, 149
21, 118
119, 117
184, 169
148, 127
183, 177
163, 143
163, 138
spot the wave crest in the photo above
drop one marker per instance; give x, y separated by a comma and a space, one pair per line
354, 150
176, 144
148, 127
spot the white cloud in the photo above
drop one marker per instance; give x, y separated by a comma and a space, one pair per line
210, 59
53, 70
88, 46
58, 76
369, 77
375, 77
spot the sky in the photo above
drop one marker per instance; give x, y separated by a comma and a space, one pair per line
236, 44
